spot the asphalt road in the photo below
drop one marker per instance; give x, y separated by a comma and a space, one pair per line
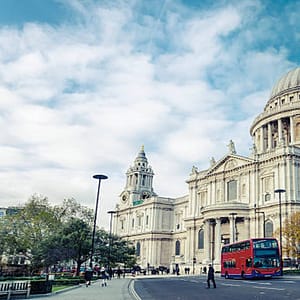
194, 287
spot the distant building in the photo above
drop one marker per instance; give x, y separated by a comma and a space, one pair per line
8, 211
2, 212
232, 200
12, 264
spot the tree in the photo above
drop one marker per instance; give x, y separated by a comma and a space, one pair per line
291, 234
115, 253
70, 208
71, 242
47, 234
29, 225
42, 233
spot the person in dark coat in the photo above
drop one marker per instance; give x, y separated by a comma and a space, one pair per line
104, 276
88, 275
211, 276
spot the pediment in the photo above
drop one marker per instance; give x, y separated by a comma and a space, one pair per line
228, 163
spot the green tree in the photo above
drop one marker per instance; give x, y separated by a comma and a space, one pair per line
291, 235
114, 252
71, 242
29, 225
70, 208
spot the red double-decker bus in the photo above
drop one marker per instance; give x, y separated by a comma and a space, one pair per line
253, 258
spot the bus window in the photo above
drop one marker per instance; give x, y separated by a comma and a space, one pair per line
247, 245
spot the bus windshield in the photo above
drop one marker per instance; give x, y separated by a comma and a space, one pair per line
266, 254
264, 262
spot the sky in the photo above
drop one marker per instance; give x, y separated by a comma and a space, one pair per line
84, 84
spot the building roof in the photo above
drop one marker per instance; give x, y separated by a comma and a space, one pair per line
289, 81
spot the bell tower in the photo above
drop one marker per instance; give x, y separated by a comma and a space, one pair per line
139, 181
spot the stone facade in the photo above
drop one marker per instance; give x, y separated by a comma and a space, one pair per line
234, 199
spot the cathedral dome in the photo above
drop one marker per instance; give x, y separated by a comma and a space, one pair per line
289, 81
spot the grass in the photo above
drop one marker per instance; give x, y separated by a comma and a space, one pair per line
56, 288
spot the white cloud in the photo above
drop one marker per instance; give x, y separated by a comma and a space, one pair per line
81, 98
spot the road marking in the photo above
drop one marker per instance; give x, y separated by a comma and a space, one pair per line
230, 284
288, 281
268, 288
264, 283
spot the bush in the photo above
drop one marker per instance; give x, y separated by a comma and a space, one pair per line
68, 281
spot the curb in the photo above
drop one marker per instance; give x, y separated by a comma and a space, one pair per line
132, 291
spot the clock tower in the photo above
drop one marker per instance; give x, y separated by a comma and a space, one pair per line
139, 181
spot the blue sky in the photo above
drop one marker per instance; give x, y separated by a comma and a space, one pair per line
84, 84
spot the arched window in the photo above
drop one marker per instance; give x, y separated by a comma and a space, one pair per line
177, 248
201, 239
269, 228
138, 249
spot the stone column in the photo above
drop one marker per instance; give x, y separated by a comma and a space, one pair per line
192, 199
279, 132
247, 227
269, 136
292, 130
207, 240
232, 227
218, 241
262, 146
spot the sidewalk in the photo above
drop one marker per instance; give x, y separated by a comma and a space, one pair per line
117, 289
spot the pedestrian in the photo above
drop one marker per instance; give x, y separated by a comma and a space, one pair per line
110, 273
204, 269
119, 272
211, 276
88, 275
104, 276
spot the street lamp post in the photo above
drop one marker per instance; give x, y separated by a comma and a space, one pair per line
99, 177
280, 191
111, 212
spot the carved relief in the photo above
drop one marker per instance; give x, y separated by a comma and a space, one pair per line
231, 164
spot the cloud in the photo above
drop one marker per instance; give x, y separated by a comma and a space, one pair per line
81, 97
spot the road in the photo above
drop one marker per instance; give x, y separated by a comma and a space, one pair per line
194, 287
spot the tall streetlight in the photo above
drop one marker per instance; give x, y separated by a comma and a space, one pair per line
99, 177
111, 212
280, 191
264, 219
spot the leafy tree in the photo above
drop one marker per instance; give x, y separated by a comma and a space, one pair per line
114, 252
47, 235
291, 234
29, 225
70, 208
71, 242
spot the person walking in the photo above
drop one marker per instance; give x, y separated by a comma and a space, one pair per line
104, 276
88, 275
211, 276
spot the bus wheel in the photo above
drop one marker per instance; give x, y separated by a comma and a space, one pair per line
226, 276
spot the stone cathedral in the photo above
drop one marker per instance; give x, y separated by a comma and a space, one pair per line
234, 199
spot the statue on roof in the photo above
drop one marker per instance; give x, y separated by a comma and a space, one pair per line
231, 147
194, 170
254, 149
